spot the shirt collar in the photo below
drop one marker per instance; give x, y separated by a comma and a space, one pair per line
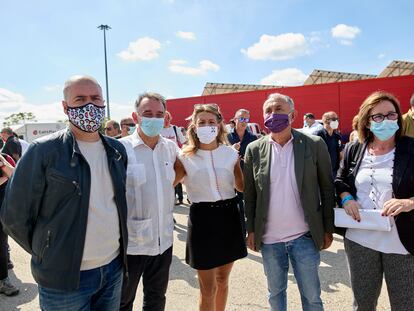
136, 140
271, 141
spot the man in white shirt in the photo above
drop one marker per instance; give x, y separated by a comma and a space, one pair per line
150, 198
174, 133
310, 125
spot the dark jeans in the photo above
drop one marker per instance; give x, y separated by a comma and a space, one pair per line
155, 272
99, 289
3, 254
179, 192
241, 211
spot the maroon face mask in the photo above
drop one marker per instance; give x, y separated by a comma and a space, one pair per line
277, 122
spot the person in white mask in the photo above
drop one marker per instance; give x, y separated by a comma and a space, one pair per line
211, 172
332, 138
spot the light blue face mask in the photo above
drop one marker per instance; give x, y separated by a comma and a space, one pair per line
385, 129
131, 130
151, 126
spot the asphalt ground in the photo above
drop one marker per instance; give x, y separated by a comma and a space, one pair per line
248, 289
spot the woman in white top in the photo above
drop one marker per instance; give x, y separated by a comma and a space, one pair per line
378, 173
211, 172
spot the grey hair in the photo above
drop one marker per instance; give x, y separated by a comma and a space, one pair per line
274, 96
151, 95
75, 79
240, 111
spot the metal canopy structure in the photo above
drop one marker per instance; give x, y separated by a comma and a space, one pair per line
397, 68
323, 76
223, 88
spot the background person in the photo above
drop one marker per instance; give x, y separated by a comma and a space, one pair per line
332, 138
353, 137
239, 138
127, 126
6, 287
289, 197
12, 146
112, 129
408, 120
310, 125
211, 172
377, 173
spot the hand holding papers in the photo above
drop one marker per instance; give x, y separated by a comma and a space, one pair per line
371, 219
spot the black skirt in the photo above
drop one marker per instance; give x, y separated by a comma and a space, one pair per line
215, 236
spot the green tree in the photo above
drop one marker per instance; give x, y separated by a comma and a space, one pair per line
17, 118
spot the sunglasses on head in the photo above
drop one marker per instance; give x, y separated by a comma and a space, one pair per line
333, 119
129, 124
244, 119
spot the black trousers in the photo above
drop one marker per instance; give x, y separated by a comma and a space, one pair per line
179, 192
3, 254
155, 273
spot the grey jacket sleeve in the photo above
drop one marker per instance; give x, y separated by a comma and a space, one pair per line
326, 186
250, 194
23, 198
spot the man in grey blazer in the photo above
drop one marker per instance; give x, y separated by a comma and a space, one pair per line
289, 197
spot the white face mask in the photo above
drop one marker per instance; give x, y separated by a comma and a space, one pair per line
334, 124
207, 134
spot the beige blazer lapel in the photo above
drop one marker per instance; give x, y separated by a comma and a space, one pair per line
299, 156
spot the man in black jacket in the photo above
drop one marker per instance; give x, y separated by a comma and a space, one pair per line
65, 204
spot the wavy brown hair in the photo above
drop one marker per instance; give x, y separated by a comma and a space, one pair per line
364, 115
193, 142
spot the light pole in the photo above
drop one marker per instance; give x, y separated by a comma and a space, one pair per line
104, 28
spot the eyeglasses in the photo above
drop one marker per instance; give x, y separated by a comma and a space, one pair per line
244, 119
333, 119
108, 128
379, 117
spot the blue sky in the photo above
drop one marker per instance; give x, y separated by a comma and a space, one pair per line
175, 46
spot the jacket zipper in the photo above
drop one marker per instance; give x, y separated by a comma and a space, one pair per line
76, 184
46, 246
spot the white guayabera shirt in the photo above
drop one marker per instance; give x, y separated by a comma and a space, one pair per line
150, 195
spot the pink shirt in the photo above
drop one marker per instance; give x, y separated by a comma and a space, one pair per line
285, 218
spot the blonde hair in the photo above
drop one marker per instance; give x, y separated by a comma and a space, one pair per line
193, 143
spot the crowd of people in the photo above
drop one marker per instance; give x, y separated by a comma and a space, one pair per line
95, 211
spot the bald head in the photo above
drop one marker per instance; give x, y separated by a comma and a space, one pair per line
78, 80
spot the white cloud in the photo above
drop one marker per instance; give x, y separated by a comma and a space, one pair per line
7, 96
344, 33
380, 56
179, 66
14, 103
285, 77
186, 35
52, 88
143, 49
281, 47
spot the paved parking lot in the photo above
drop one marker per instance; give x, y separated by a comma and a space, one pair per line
247, 285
